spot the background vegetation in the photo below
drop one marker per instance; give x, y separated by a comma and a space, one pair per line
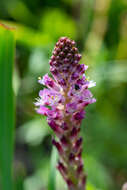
100, 30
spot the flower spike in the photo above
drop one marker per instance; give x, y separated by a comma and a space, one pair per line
63, 103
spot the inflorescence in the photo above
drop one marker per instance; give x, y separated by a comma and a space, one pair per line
63, 102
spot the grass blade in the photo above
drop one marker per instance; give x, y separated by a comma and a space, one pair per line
7, 44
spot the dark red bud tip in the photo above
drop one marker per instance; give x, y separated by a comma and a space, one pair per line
86, 104
64, 141
62, 82
65, 126
69, 183
84, 180
58, 146
71, 157
54, 71
74, 132
79, 115
61, 167
50, 83
62, 39
78, 142
80, 169
77, 147
56, 128
79, 154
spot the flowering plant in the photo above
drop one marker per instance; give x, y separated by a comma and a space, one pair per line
63, 102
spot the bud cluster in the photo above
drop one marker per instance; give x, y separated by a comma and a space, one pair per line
65, 60
63, 102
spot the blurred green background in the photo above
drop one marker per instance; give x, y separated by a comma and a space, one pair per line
100, 29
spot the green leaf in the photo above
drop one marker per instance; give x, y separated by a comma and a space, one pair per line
52, 175
7, 44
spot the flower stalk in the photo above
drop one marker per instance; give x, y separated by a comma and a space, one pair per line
63, 102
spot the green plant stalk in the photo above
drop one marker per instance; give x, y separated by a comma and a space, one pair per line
7, 111
52, 175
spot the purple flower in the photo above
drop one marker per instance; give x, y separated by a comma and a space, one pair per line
63, 102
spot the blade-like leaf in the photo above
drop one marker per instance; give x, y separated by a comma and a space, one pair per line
7, 44
52, 175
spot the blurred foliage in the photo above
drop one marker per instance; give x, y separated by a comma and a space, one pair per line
60, 23
100, 30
